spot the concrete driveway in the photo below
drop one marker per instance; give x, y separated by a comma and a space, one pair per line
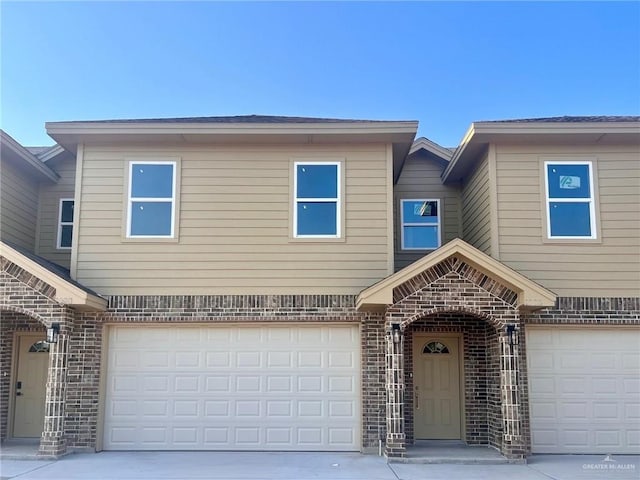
307, 466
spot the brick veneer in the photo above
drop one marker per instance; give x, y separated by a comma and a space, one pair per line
453, 288
475, 370
23, 295
452, 297
86, 345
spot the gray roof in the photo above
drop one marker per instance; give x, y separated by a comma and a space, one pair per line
570, 119
233, 119
54, 268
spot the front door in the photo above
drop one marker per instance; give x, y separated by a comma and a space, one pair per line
436, 387
30, 386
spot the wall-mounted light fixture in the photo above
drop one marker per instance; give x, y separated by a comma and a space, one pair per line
53, 332
395, 332
511, 330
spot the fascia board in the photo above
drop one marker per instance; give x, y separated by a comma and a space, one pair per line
54, 128
531, 296
485, 132
28, 157
66, 293
429, 146
51, 153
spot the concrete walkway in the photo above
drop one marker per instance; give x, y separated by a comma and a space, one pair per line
307, 466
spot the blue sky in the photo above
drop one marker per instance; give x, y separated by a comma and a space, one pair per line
444, 64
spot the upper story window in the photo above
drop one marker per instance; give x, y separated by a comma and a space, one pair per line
570, 200
65, 224
151, 200
420, 224
316, 209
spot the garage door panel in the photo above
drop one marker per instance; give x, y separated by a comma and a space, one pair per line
274, 389
592, 408
631, 386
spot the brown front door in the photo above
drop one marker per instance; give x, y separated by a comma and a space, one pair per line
436, 387
30, 386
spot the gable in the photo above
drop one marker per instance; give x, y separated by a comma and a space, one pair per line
480, 268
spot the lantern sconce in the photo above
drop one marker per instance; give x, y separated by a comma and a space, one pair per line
53, 332
395, 332
511, 330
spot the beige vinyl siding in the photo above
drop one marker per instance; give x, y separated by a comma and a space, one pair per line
609, 266
420, 178
50, 196
234, 224
19, 206
476, 210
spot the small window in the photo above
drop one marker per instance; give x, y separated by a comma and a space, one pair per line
420, 224
65, 224
570, 200
435, 347
316, 209
151, 206
39, 347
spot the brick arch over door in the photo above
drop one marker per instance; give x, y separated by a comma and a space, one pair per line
23, 294
449, 287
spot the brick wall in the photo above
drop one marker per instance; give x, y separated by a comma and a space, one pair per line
85, 345
453, 297
475, 368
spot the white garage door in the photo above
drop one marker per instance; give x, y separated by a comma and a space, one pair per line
584, 388
273, 387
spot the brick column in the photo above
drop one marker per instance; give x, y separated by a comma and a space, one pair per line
512, 438
53, 442
396, 437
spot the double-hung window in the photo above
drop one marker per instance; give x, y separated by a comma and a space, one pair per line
570, 200
316, 209
420, 224
151, 200
65, 224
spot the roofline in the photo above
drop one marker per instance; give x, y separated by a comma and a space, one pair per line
531, 296
51, 153
66, 293
29, 158
485, 132
79, 128
424, 143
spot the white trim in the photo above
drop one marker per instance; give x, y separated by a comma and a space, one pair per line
432, 147
61, 224
590, 201
171, 199
67, 293
337, 199
403, 224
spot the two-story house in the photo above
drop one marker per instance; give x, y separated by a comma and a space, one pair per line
282, 283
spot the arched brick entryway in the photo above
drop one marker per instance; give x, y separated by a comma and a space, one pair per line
467, 287
27, 305
485, 315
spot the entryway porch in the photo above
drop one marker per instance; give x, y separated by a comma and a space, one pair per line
453, 354
452, 452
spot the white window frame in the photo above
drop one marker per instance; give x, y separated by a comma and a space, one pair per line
61, 224
131, 199
337, 200
403, 224
590, 201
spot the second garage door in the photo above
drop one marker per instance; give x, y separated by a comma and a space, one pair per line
276, 387
584, 389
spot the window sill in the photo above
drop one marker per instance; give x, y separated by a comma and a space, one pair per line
149, 240
317, 239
